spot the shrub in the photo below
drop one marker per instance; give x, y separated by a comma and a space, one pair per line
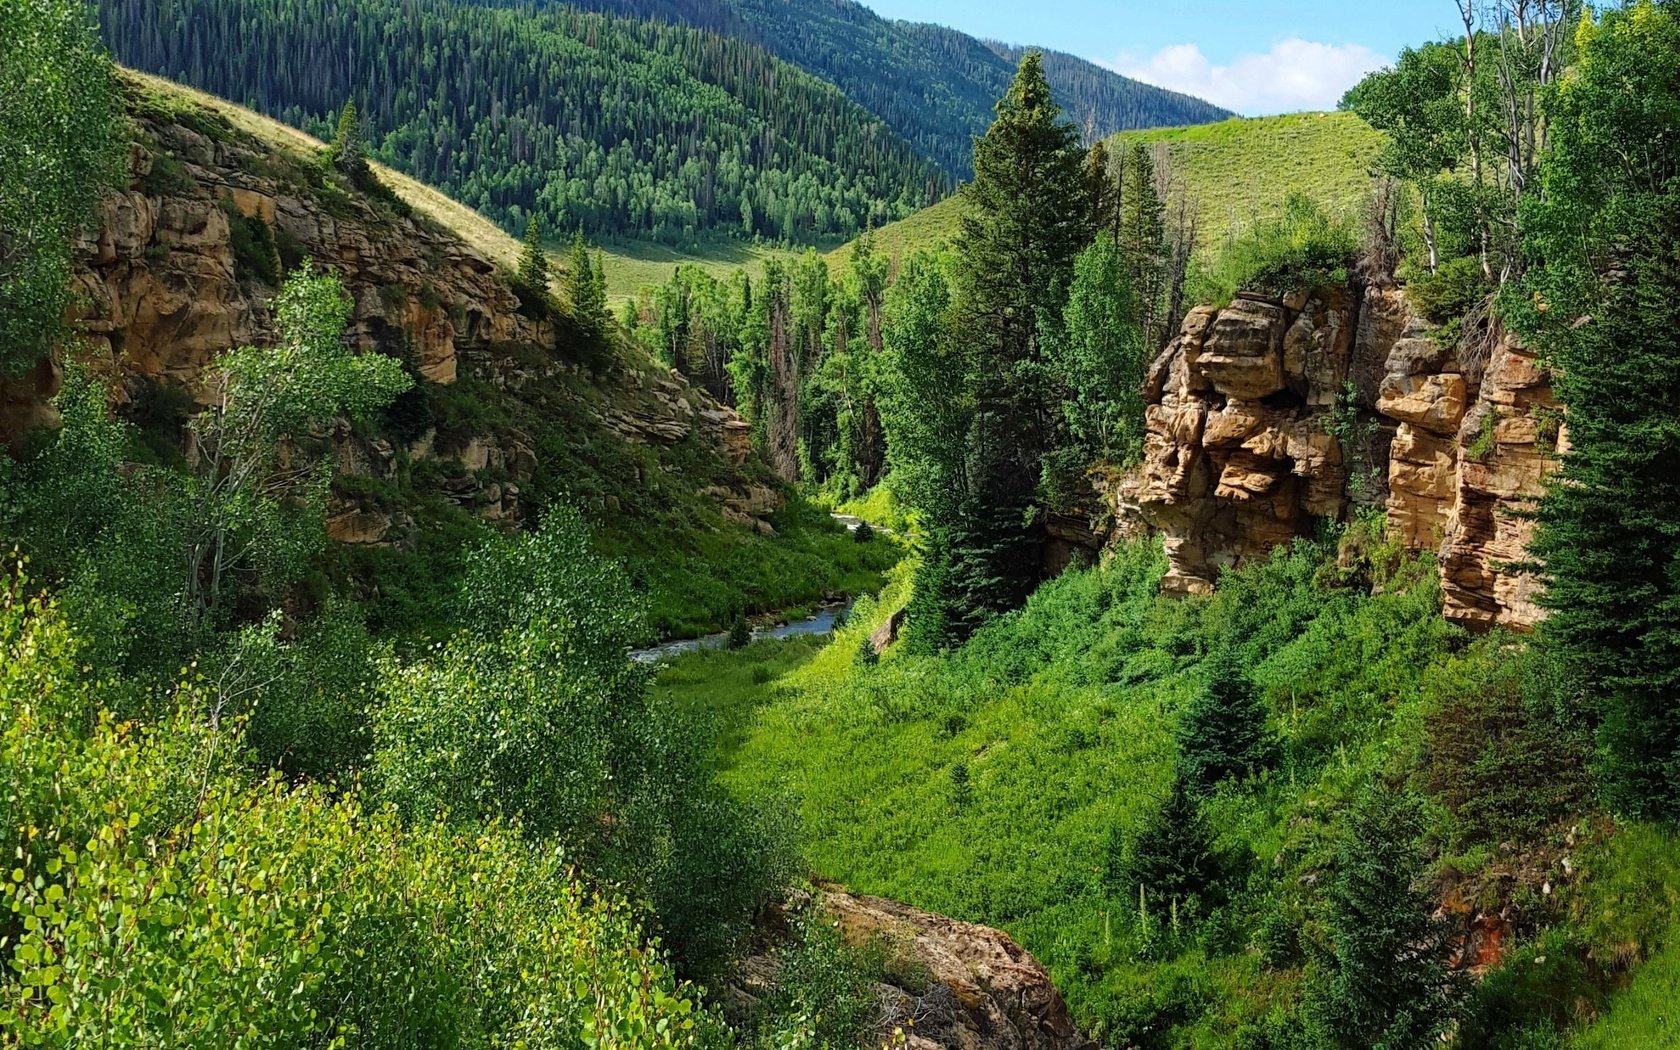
535, 712
1305, 246
863, 533
740, 633
159, 899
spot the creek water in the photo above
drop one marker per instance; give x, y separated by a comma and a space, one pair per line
821, 622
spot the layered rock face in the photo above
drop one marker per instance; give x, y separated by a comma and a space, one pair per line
966, 987
172, 277
1268, 417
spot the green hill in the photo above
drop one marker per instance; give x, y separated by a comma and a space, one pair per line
1236, 171
629, 128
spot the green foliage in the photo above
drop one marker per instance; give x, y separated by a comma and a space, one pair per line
740, 633
1504, 755
1600, 302
59, 149
535, 713
1382, 982
159, 897
586, 288
533, 259
1222, 732
627, 127
824, 994
1306, 246
1101, 356
1025, 220
255, 257
1063, 715
1169, 862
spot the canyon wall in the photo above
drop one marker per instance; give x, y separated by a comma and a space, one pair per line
1267, 418
186, 256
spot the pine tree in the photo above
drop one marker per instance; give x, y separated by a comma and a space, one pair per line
1603, 300
533, 260
1143, 241
1025, 218
586, 288
349, 154
1222, 731
1383, 982
1169, 861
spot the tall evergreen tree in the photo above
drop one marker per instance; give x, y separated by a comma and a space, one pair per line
586, 290
1602, 298
1382, 983
1143, 242
533, 260
1024, 220
348, 151
1222, 731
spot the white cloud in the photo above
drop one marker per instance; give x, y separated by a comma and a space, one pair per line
1294, 75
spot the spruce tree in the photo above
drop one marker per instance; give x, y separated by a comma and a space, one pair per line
1382, 983
1024, 219
533, 261
1222, 731
1143, 241
1169, 861
586, 291
349, 155
1602, 299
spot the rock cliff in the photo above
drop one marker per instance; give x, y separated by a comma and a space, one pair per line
187, 254
1268, 417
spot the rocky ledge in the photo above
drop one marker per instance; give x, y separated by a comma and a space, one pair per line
1268, 417
951, 985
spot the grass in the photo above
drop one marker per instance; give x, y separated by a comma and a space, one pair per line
635, 265
1238, 171
988, 783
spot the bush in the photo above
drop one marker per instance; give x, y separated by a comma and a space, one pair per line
536, 713
1306, 246
1222, 732
159, 899
863, 533
740, 633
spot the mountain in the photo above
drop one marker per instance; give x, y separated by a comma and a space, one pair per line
932, 85
628, 127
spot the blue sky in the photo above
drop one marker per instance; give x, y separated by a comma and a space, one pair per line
1259, 56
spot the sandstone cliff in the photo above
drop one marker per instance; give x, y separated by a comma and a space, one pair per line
217, 204
1267, 418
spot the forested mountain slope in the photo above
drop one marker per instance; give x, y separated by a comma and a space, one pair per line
934, 86
627, 127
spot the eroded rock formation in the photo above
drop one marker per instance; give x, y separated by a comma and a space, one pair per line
181, 268
1267, 417
950, 985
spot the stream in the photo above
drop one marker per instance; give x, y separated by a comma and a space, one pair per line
819, 623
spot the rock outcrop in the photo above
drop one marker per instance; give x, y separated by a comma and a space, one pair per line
950, 985
1268, 417
181, 267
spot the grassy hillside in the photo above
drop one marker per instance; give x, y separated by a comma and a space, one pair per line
1007, 784
1236, 171
697, 570
1244, 169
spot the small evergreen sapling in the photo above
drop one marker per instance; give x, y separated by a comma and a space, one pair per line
1383, 982
533, 261
1222, 731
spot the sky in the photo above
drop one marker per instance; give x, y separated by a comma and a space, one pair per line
1256, 57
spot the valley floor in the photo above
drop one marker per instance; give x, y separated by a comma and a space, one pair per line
1003, 783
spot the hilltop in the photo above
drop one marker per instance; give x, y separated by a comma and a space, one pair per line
1237, 171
